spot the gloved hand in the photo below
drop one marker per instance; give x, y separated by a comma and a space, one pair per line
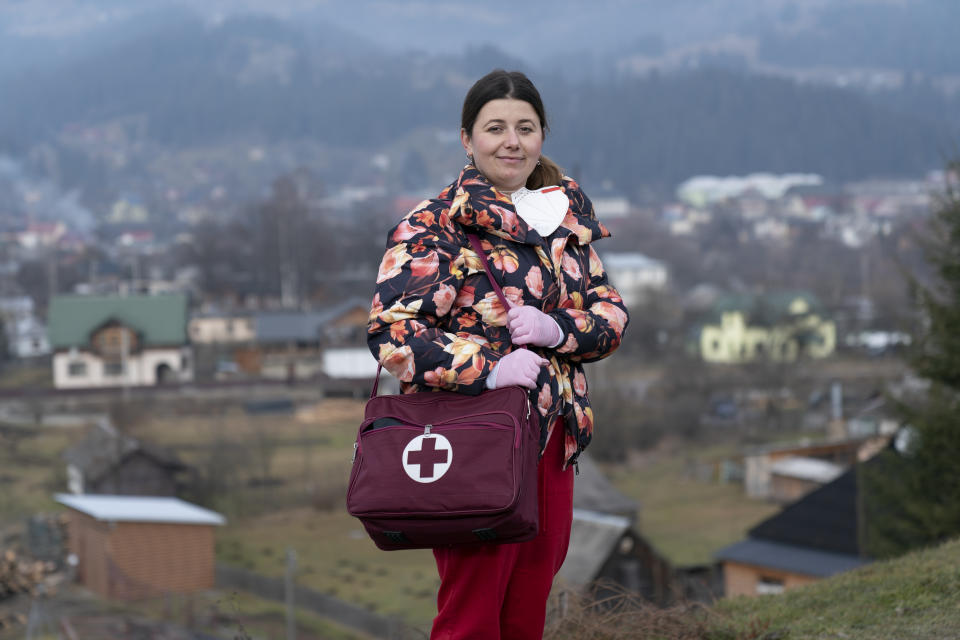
529, 325
520, 367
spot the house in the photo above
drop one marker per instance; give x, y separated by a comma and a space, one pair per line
700, 191
634, 274
131, 547
108, 462
40, 235
605, 546
26, 336
780, 327
785, 473
112, 341
608, 203
813, 538
221, 327
328, 342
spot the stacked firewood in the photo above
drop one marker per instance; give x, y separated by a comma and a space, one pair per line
19, 574
10, 620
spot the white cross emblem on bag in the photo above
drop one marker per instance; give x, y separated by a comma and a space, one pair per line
427, 457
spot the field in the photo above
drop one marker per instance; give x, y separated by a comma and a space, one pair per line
686, 518
281, 478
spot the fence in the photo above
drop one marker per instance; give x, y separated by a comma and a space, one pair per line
345, 613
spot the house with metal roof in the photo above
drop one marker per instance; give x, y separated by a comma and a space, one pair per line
606, 547
130, 547
813, 538
327, 343
117, 341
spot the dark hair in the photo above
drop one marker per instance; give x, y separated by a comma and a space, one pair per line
499, 84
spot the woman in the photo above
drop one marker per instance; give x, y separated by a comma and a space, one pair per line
436, 322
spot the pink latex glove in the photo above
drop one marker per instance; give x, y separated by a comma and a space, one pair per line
520, 367
529, 325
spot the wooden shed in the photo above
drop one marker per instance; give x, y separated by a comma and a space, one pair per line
130, 547
108, 462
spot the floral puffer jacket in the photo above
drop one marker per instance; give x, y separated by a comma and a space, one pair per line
436, 322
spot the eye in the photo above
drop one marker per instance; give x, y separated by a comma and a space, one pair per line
495, 129
526, 129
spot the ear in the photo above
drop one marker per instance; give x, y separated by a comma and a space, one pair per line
465, 141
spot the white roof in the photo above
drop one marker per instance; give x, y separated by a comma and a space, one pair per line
349, 363
807, 469
629, 260
140, 509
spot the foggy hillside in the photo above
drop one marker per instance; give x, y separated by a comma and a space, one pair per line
644, 103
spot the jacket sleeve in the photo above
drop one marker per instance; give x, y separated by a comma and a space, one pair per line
417, 285
594, 323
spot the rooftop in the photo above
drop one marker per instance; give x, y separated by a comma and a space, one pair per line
775, 555
140, 509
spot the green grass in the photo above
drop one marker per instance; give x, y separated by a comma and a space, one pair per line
31, 469
686, 519
240, 615
336, 557
916, 596
17, 377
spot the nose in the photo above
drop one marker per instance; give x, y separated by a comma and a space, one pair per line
513, 140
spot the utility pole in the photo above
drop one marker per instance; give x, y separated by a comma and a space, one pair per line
288, 593
125, 362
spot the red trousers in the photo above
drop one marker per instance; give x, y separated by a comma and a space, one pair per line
499, 591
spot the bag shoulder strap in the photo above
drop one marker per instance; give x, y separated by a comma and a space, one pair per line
478, 249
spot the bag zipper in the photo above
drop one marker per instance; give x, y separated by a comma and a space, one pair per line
517, 427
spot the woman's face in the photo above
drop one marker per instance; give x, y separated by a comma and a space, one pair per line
505, 142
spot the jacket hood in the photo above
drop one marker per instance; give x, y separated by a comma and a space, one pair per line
477, 203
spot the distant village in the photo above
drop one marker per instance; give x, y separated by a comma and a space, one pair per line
52, 271
134, 302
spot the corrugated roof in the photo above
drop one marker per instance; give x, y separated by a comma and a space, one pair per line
803, 560
805, 468
102, 449
140, 509
593, 537
824, 519
592, 491
160, 320
300, 326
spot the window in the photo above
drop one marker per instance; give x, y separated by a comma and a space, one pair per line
769, 586
113, 369
77, 369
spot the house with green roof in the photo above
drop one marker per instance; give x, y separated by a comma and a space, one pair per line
779, 327
115, 341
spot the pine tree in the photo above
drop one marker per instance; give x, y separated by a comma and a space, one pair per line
911, 495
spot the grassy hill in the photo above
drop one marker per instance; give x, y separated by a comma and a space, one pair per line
916, 597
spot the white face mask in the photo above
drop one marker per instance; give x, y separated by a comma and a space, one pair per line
543, 209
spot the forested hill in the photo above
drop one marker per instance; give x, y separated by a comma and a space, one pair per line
194, 83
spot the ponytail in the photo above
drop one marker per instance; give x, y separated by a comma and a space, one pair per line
545, 174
